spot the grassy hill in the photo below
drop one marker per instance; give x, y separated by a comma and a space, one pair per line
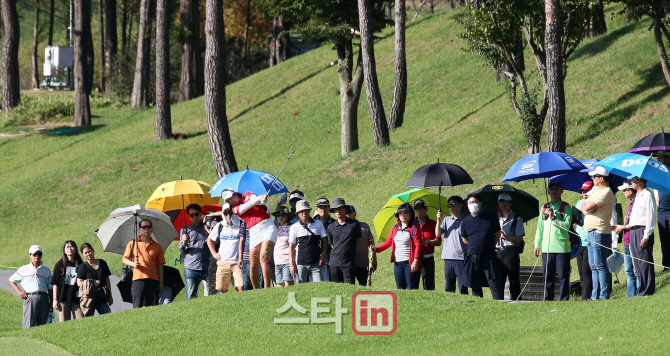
61, 184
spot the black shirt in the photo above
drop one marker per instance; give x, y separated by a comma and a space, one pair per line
343, 238
68, 290
86, 271
480, 232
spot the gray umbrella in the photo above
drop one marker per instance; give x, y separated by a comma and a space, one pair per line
121, 227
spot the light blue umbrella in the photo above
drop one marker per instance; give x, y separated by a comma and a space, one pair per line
573, 181
257, 182
630, 165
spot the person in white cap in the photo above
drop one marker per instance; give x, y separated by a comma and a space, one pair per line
508, 248
32, 283
598, 210
641, 226
663, 214
262, 232
229, 256
631, 283
308, 237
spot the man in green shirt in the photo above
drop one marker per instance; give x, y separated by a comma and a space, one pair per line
554, 239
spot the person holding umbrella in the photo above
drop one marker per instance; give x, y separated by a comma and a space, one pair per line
452, 252
428, 242
405, 243
481, 231
146, 258
597, 222
553, 238
663, 213
193, 246
641, 226
509, 245
262, 232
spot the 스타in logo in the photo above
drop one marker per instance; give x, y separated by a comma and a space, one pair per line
374, 313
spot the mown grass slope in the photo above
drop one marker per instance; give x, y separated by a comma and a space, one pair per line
61, 185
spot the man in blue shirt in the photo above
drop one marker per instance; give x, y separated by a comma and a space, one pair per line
663, 214
193, 244
481, 231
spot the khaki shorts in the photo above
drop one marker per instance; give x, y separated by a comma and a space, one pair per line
224, 271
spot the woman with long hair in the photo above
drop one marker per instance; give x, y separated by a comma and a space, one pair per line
64, 280
405, 242
98, 271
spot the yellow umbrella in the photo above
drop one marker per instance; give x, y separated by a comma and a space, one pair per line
179, 194
385, 219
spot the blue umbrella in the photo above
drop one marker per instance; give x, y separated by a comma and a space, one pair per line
257, 182
542, 165
630, 165
573, 181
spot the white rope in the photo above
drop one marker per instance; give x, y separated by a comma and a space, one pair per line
528, 280
9, 267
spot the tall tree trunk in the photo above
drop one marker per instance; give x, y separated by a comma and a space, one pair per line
11, 95
163, 116
68, 33
215, 91
35, 72
597, 24
140, 96
660, 46
111, 40
51, 23
555, 89
351, 83
400, 86
278, 43
377, 114
82, 89
124, 24
101, 30
131, 16
188, 86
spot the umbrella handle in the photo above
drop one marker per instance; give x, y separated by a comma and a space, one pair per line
439, 194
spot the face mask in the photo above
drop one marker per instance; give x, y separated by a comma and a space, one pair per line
474, 208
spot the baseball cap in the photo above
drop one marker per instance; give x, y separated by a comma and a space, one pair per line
555, 183
351, 207
34, 248
322, 201
296, 196
504, 196
419, 203
225, 207
227, 194
625, 185
600, 171
587, 186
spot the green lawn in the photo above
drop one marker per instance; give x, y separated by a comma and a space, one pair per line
61, 185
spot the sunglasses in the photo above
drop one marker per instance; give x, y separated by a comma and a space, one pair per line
282, 215
227, 212
452, 205
504, 201
403, 212
597, 176
194, 215
146, 227
38, 254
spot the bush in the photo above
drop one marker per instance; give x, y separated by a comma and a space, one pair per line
39, 110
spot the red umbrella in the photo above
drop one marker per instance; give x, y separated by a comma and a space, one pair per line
180, 218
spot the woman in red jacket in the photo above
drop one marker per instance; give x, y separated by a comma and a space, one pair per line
405, 242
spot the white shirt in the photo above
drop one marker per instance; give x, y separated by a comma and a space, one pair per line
401, 241
229, 235
297, 230
33, 279
644, 212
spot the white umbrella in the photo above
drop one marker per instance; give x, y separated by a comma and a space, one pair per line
121, 227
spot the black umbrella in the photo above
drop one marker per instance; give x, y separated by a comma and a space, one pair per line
526, 206
648, 145
172, 278
438, 175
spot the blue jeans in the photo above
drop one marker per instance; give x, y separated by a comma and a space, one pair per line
308, 273
404, 278
193, 278
598, 262
631, 284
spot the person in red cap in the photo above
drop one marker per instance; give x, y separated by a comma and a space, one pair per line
583, 256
